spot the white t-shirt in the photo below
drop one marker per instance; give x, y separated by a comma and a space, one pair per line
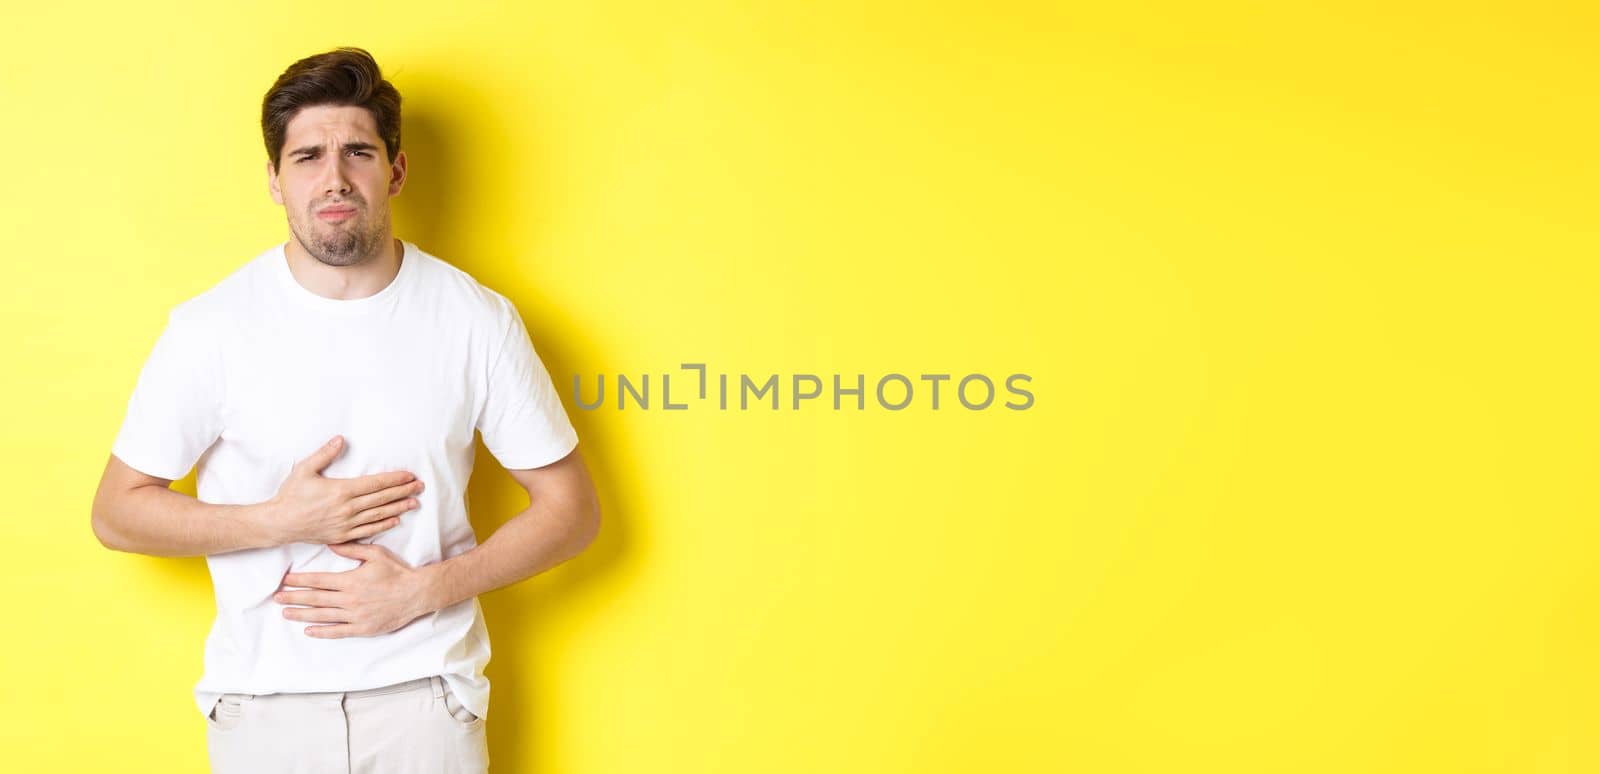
257, 372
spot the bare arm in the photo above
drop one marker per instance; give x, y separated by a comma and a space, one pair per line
385, 593
136, 512
561, 520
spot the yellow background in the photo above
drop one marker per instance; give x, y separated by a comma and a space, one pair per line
1307, 294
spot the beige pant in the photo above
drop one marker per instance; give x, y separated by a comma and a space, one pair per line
415, 726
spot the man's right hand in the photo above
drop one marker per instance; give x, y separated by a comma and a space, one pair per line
309, 508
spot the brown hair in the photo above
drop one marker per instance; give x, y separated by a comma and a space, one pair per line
343, 76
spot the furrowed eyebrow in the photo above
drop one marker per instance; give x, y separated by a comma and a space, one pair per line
349, 146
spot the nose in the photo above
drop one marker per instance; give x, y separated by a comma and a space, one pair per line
337, 181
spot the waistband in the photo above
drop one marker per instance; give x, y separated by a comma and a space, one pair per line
433, 683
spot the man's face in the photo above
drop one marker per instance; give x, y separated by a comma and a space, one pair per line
334, 180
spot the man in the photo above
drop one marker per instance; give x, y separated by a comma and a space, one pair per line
329, 390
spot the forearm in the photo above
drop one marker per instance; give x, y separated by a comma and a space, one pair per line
545, 534
158, 521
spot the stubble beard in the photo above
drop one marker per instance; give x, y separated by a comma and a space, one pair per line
341, 244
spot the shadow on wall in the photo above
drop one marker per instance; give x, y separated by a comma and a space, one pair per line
444, 172
425, 214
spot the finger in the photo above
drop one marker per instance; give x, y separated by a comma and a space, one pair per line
317, 598
324, 454
332, 631
386, 495
316, 580
317, 614
391, 509
379, 481
372, 528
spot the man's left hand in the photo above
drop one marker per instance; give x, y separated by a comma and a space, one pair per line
380, 596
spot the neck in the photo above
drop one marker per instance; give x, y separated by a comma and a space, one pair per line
345, 283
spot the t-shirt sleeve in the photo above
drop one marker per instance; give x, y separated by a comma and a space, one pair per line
523, 422
175, 412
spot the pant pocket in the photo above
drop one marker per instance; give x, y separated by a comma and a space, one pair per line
457, 710
227, 713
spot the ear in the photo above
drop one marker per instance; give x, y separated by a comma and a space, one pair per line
397, 174
272, 183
